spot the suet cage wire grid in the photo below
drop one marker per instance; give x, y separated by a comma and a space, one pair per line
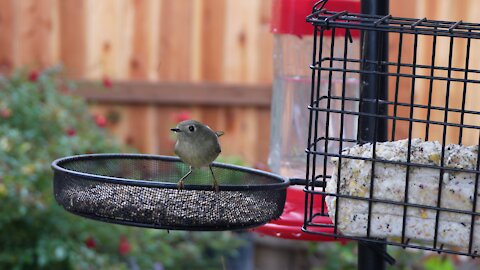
432, 85
141, 190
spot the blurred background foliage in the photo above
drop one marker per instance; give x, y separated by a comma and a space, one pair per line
336, 256
39, 122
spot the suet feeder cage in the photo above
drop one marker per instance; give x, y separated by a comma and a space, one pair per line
409, 177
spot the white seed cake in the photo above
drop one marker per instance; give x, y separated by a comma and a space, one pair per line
389, 184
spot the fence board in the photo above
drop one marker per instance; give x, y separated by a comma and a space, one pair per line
72, 37
178, 93
176, 25
7, 16
33, 35
138, 62
212, 33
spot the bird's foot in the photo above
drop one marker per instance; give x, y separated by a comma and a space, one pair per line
215, 183
180, 185
215, 187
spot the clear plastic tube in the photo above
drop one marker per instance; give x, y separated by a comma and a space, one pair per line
291, 97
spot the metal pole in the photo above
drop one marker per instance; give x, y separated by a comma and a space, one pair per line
374, 46
370, 256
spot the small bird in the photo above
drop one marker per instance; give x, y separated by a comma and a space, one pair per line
197, 145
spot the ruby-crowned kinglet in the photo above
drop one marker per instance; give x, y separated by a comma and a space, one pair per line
197, 145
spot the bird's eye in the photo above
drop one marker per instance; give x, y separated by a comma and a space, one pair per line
191, 128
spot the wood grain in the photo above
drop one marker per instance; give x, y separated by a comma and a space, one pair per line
7, 28
33, 35
176, 24
72, 37
168, 93
212, 38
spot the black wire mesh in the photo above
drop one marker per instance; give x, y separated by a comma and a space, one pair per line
418, 189
141, 190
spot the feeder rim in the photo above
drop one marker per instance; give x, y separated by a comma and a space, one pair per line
56, 166
171, 227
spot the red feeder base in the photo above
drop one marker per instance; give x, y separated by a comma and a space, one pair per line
289, 225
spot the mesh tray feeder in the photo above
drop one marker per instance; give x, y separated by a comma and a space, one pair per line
141, 190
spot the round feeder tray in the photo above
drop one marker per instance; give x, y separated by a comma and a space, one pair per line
141, 190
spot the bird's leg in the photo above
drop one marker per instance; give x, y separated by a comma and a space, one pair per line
215, 183
180, 182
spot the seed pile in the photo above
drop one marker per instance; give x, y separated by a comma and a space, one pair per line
171, 207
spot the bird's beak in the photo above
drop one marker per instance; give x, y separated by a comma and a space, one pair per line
175, 129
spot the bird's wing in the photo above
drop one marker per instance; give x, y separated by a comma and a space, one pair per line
217, 148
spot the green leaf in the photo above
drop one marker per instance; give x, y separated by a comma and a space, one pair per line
438, 263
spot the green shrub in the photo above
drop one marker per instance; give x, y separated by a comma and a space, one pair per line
336, 256
39, 124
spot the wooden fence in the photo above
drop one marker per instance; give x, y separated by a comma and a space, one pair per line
164, 58
142, 114
174, 51
446, 11
184, 40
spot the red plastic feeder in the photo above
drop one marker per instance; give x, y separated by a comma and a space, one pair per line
289, 225
291, 53
291, 50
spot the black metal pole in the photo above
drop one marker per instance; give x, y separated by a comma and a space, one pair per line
371, 256
374, 46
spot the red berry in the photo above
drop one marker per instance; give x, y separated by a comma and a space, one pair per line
107, 83
100, 120
33, 76
64, 89
182, 116
123, 246
90, 243
71, 132
5, 113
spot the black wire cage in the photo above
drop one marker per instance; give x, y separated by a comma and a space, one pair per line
409, 177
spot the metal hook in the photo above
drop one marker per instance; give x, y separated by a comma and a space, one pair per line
321, 2
349, 35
